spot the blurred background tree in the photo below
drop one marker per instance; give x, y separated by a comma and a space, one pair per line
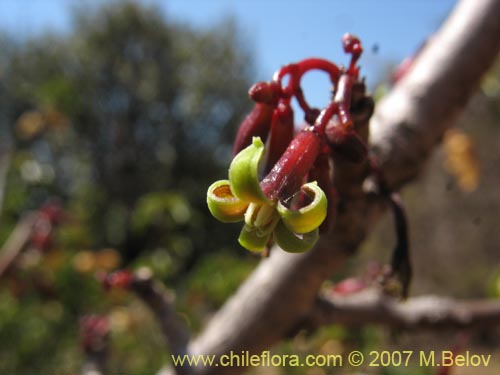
127, 120
114, 118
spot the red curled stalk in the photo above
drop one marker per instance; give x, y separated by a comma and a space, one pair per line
287, 175
320, 64
296, 71
281, 133
310, 114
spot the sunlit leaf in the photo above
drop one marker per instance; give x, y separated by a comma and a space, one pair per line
461, 159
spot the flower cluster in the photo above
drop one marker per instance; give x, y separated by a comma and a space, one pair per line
47, 218
291, 201
118, 279
94, 333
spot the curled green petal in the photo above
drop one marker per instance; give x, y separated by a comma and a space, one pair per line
307, 218
253, 239
223, 205
292, 242
244, 173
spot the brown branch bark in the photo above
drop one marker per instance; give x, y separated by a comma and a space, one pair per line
423, 312
405, 128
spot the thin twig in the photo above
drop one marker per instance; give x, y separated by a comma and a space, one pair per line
417, 313
161, 303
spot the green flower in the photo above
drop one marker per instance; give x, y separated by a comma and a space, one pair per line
241, 199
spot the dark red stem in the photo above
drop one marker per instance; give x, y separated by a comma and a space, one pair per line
325, 116
339, 106
281, 133
320, 64
299, 95
340, 133
343, 98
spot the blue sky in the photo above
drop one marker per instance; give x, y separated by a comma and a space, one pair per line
279, 31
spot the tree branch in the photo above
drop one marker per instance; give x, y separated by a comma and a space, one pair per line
424, 312
411, 120
406, 127
160, 301
16, 243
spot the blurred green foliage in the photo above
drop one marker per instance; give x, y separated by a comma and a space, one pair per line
127, 119
127, 105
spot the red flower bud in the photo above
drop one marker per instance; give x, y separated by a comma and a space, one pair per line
287, 175
42, 234
352, 45
94, 332
281, 134
52, 211
256, 124
119, 279
264, 92
348, 286
48, 216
